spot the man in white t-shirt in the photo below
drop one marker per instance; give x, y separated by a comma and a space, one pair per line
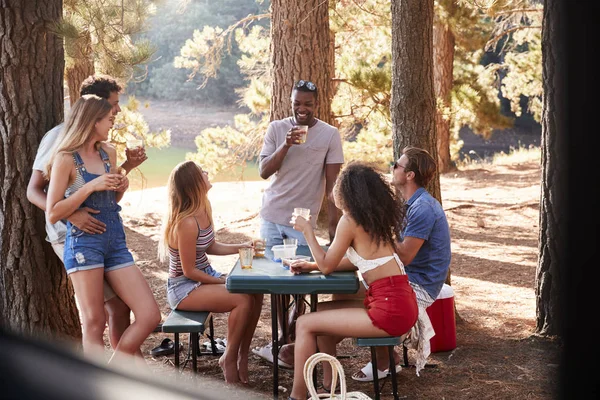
118, 313
301, 173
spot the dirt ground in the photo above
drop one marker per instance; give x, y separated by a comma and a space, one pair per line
493, 215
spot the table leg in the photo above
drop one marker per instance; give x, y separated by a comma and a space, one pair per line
275, 345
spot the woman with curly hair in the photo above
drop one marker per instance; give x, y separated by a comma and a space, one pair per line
364, 240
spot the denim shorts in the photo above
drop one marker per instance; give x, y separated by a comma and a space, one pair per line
180, 287
109, 293
108, 250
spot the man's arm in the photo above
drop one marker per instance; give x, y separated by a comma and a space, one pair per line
35, 189
268, 165
408, 249
331, 174
80, 218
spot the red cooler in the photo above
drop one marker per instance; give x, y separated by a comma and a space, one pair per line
441, 314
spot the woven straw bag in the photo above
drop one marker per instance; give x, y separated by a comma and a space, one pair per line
337, 372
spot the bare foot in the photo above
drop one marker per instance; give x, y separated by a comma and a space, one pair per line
243, 367
229, 368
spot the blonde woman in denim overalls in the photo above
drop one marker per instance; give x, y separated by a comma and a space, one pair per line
80, 175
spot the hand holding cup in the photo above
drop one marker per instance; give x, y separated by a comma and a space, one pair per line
296, 135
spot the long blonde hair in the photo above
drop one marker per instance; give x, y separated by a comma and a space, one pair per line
79, 126
187, 195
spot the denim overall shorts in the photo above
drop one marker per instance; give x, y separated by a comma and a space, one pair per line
108, 250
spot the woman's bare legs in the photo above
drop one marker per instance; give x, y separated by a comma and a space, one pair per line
131, 286
90, 297
257, 301
216, 298
327, 344
346, 322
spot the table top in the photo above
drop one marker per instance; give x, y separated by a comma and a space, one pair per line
268, 276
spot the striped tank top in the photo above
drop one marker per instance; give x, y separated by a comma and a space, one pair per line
206, 237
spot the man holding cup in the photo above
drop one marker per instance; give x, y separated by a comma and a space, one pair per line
302, 165
302, 156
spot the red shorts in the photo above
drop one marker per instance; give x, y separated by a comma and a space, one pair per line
391, 304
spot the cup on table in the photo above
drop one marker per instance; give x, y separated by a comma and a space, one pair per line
303, 128
259, 247
134, 143
291, 241
302, 212
246, 254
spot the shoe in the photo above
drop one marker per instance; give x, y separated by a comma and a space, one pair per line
266, 353
368, 373
166, 347
219, 345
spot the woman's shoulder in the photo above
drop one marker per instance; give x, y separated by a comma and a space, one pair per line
110, 149
347, 221
188, 224
63, 158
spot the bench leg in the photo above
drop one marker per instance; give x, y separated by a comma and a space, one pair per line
176, 350
393, 371
195, 340
375, 374
211, 331
405, 356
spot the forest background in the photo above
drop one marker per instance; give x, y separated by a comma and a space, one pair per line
353, 124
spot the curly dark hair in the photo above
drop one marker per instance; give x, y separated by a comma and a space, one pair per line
100, 85
369, 199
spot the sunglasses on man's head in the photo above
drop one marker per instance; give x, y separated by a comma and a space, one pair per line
307, 84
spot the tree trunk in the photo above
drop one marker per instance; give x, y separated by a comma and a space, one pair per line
443, 60
302, 47
554, 184
81, 66
413, 98
35, 296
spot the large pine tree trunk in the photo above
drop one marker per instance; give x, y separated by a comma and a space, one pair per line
302, 48
81, 66
35, 296
554, 184
413, 98
443, 60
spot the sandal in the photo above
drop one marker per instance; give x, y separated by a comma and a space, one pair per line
166, 347
367, 371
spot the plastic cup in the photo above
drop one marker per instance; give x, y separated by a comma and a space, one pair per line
302, 212
259, 247
134, 143
303, 136
291, 241
246, 255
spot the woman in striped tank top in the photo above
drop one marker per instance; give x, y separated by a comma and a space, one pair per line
79, 174
193, 285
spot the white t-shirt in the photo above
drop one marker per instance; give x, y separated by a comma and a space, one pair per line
55, 232
300, 182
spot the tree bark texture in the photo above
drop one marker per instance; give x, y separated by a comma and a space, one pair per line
554, 184
301, 48
81, 66
35, 296
443, 67
413, 97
